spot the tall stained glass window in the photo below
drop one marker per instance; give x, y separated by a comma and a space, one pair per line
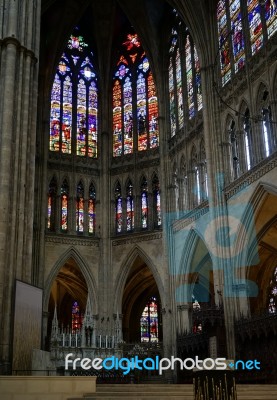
255, 25
130, 214
64, 206
76, 317
237, 34
91, 209
271, 16
51, 205
224, 48
157, 202
118, 209
74, 102
184, 77
80, 208
144, 204
135, 104
149, 322
272, 296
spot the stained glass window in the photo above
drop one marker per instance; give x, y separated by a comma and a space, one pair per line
64, 206
255, 25
91, 209
76, 317
80, 208
157, 202
247, 139
130, 214
117, 119
271, 16
74, 106
184, 77
144, 204
149, 322
272, 297
134, 100
51, 205
237, 34
118, 209
189, 78
224, 48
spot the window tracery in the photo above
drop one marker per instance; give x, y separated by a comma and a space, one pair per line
74, 103
184, 77
272, 297
135, 103
235, 34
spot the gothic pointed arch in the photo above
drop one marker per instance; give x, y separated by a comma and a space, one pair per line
71, 253
135, 253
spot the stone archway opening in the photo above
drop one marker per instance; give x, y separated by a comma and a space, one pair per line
142, 321
69, 293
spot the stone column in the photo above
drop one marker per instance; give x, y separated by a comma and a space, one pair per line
19, 42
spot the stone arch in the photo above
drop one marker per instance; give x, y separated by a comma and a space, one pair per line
125, 269
85, 270
194, 259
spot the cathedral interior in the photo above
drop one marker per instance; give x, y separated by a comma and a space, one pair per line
138, 175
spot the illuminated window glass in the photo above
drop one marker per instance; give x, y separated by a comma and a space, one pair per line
80, 208
149, 322
237, 34
272, 296
91, 209
51, 205
255, 25
144, 204
189, 78
157, 202
76, 318
184, 77
224, 48
271, 16
74, 107
134, 99
64, 206
118, 209
130, 214
117, 119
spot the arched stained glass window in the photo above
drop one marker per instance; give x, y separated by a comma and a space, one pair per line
64, 206
134, 100
185, 94
130, 213
272, 296
51, 205
144, 204
80, 208
91, 209
149, 322
118, 209
74, 106
157, 201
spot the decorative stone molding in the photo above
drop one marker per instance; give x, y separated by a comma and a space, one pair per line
191, 216
75, 241
137, 239
251, 176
